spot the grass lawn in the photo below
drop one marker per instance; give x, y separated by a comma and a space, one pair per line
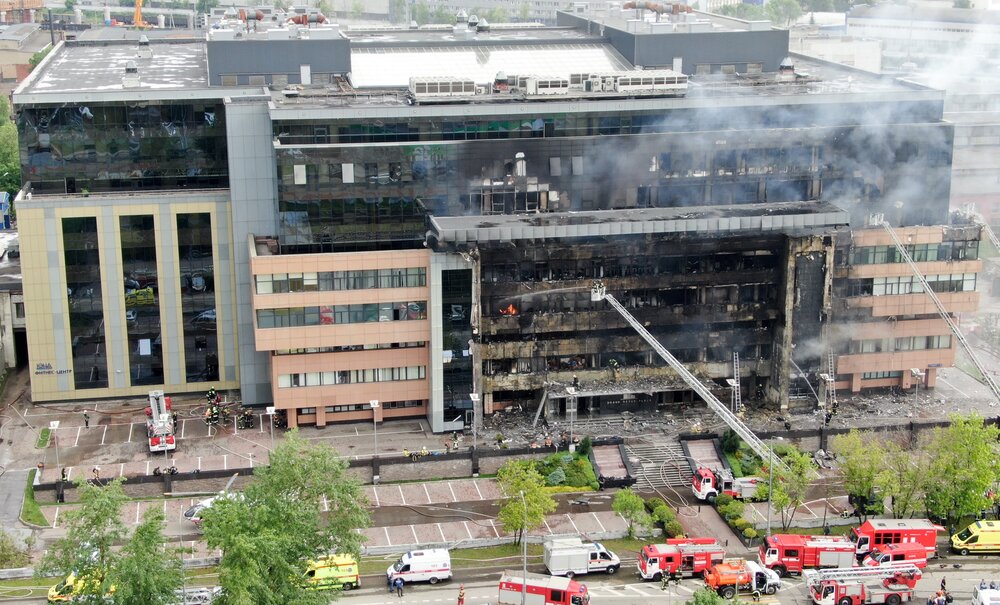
31, 513
43, 438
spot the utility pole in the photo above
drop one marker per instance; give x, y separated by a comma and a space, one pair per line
53, 425
270, 414
770, 487
524, 555
572, 418
374, 404
475, 418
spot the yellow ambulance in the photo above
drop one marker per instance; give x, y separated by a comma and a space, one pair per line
333, 571
979, 538
70, 588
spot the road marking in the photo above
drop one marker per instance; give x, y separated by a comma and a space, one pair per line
121, 469
55, 520
476, 483
596, 518
137, 507
375, 493
77, 442
199, 463
147, 467
634, 589
131, 424
386, 530
964, 394
104, 436
260, 418
494, 528
575, 528
401, 496
685, 589
428, 494
452, 490
547, 528
209, 427
441, 531
225, 462
466, 524
184, 426
416, 540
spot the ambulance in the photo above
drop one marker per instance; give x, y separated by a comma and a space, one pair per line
428, 565
979, 538
333, 571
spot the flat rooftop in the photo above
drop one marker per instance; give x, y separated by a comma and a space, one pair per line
789, 217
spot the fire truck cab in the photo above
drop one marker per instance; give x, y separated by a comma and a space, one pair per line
707, 484
897, 554
878, 532
679, 557
790, 553
541, 590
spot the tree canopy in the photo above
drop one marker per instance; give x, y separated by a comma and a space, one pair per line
268, 535
147, 572
515, 477
631, 507
962, 468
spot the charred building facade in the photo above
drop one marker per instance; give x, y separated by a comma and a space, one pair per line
414, 221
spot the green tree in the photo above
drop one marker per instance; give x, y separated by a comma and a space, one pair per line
783, 12
70, 4
357, 9
397, 11
206, 6
38, 56
904, 479
147, 572
862, 468
514, 478
325, 7
267, 534
12, 555
706, 596
791, 484
524, 11
962, 468
748, 12
87, 548
630, 506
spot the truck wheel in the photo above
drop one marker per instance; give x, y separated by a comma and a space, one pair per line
348, 586
657, 577
727, 592
845, 601
770, 589
612, 569
569, 574
780, 570
892, 599
433, 580
963, 551
711, 498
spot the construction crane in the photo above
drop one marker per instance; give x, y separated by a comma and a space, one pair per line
598, 292
879, 220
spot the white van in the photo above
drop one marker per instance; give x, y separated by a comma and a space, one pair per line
429, 565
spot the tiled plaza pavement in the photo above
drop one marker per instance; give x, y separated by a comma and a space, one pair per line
405, 537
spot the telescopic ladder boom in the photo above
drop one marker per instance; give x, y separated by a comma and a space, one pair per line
847, 574
598, 292
987, 376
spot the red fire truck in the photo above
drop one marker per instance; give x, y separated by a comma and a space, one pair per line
789, 553
160, 423
541, 590
708, 484
679, 557
862, 586
878, 532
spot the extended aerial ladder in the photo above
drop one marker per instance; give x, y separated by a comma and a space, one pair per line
598, 292
878, 219
851, 574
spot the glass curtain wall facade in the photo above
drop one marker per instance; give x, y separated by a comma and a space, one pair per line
456, 304
86, 307
115, 147
201, 344
142, 305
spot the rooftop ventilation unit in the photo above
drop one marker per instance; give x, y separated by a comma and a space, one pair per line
144, 52
483, 26
131, 77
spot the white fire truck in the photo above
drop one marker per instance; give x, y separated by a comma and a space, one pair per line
160, 423
862, 586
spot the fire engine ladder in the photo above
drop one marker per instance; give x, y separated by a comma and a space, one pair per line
847, 574
970, 211
737, 395
598, 292
987, 377
831, 389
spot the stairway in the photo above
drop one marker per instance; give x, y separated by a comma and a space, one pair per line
659, 463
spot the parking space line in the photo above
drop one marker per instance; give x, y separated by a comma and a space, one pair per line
575, 528
260, 422
452, 490
69, 473
121, 469
685, 589
375, 493
441, 531
77, 442
55, 520
401, 496
428, 494
131, 424
147, 467
416, 540
184, 425
105, 435
225, 462
466, 525
476, 483
199, 463
209, 427
598, 521
137, 507
494, 528
386, 530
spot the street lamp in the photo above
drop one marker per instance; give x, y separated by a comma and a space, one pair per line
53, 425
374, 404
475, 417
270, 413
572, 418
524, 556
918, 375
770, 483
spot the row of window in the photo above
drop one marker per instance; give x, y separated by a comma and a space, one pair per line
328, 281
944, 251
317, 379
877, 375
341, 314
960, 282
906, 343
347, 348
360, 407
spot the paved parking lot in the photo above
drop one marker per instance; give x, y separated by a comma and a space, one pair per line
433, 492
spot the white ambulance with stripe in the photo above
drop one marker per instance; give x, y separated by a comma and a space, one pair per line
428, 565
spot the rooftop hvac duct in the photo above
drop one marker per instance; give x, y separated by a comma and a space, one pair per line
672, 8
